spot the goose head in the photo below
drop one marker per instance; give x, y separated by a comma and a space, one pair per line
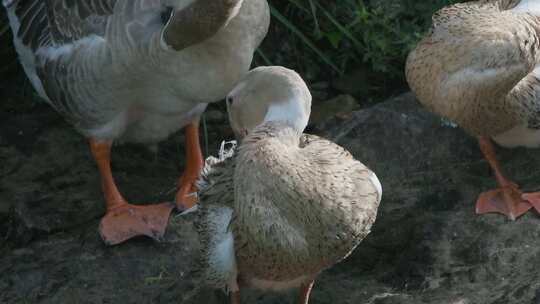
194, 21
269, 94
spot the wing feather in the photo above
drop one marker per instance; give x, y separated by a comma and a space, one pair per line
53, 22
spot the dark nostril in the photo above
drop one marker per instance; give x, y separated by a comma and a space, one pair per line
229, 100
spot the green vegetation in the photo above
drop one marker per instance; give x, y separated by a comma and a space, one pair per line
327, 39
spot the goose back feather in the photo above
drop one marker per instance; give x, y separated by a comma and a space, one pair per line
306, 205
105, 66
478, 65
294, 208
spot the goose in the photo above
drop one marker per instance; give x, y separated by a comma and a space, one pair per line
479, 66
284, 206
136, 71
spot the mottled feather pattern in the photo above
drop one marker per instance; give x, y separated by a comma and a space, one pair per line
527, 94
216, 194
304, 207
476, 66
300, 206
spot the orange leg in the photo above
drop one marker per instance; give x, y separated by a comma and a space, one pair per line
187, 192
507, 199
124, 221
305, 292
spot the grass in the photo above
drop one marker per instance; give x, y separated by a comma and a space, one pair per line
325, 40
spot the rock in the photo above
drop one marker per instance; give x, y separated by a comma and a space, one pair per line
427, 245
427, 242
341, 105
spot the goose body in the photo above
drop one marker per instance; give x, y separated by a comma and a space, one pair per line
136, 70
107, 67
479, 66
286, 206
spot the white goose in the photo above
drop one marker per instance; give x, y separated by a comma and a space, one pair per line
137, 71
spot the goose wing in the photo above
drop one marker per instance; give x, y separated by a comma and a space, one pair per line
298, 201
216, 265
55, 22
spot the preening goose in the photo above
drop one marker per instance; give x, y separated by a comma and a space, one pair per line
136, 71
286, 206
479, 66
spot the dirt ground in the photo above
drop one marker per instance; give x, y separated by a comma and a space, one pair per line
427, 245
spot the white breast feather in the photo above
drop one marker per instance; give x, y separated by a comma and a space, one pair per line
520, 136
221, 257
375, 181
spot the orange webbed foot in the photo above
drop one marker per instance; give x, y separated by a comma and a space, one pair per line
127, 221
506, 200
533, 199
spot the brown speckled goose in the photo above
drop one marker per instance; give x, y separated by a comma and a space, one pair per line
287, 205
479, 66
137, 71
